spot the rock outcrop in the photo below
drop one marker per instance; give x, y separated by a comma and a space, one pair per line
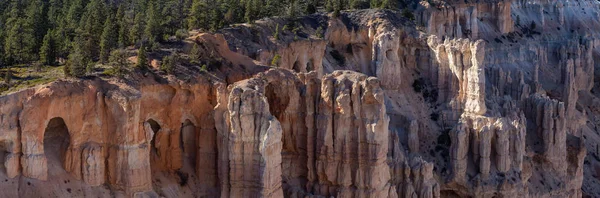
471, 99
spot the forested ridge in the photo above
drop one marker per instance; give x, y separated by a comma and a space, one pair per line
81, 33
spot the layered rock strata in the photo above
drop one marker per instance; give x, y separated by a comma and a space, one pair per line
472, 99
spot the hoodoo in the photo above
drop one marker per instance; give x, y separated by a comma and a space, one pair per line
441, 98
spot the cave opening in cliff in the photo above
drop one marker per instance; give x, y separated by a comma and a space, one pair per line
310, 66
56, 142
277, 102
297, 67
188, 143
155, 129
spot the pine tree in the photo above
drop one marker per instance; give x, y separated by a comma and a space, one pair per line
293, 9
36, 19
91, 28
216, 17
169, 63
8, 76
74, 14
172, 16
311, 7
198, 17
123, 27
108, 40
195, 53
250, 11
77, 63
152, 31
19, 43
135, 33
389, 4
375, 3
330, 5
19, 39
118, 61
48, 50
142, 60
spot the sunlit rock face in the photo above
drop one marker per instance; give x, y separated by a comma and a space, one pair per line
470, 99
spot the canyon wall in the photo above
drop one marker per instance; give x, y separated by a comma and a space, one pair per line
471, 99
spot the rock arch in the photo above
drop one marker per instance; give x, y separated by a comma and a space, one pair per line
56, 144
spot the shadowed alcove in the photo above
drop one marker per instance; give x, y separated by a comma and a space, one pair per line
189, 143
154, 153
56, 143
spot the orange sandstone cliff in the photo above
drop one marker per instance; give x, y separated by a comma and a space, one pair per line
464, 101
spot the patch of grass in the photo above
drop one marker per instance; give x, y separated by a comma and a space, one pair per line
24, 77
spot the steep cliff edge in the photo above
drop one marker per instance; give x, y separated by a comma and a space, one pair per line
472, 99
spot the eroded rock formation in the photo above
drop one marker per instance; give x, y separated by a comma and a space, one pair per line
472, 99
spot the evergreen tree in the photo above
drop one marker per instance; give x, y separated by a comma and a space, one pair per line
48, 50
19, 39
273, 7
51, 30
216, 17
250, 11
293, 9
36, 20
8, 76
172, 16
118, 62
195, 53
142, 60
108, 41
198, 17
91, 28
135, 33
152, 31
235, 13
77, 63
311, 7
19, 43
74, 14
375, 3
330, 5
389, 4
123, 27
169, 63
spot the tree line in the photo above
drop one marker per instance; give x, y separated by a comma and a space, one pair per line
84, 32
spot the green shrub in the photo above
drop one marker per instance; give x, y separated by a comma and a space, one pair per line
142, 60
77, 65
276, 33
8, 76
181, 34
118, 62
37, 66
275, 61
319, 32
196, 52
169, 63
